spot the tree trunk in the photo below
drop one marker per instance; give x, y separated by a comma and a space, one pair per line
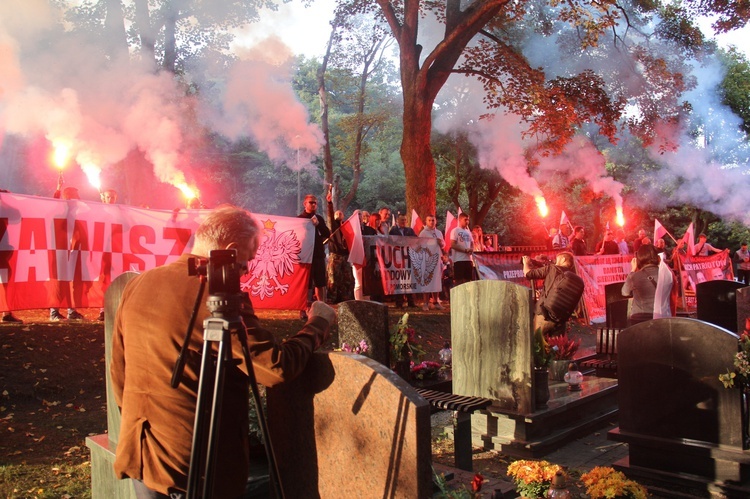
170, 41
323, 99
145, 30
114, 23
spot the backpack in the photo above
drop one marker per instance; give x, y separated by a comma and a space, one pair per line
562, 300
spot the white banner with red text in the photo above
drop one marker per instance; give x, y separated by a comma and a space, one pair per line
597, 271
57, 253
400, 265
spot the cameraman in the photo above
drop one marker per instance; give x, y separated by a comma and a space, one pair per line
153, 316
550, 273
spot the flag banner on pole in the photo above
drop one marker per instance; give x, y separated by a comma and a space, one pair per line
597, 271
451, 223
416, 222
664, 283
564, 219
64, 253
697, 269
402, 264
689, 239
659, 230
352, 232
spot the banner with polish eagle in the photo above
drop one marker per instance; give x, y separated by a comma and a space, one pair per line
58, 253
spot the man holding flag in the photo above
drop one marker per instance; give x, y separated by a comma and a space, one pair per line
340, 277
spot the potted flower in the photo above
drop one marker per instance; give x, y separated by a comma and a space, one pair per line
604, 482
532, 478
563, 351
404, 347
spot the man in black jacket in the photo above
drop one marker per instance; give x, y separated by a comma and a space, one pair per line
551, 275
318, 277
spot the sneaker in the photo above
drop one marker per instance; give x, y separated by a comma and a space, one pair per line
439, 306
426, 307
56, 316
75, 316
101, 317
303, 315
9, 317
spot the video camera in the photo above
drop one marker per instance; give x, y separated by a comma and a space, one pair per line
537, 261
223, 275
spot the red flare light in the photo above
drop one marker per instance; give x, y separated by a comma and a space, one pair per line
61, 154
541, 203
620, 218
189, 192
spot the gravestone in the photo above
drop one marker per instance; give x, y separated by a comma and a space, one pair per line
743, 309
492, 343
491, 333
365, 320
104, 483
680, 423
350, 427
717, 302
617, 306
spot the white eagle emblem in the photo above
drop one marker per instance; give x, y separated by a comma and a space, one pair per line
275, 259
424, 262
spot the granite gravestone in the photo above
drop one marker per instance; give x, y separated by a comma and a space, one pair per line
617, 306
365, 320
717, 303
104, 483
676, 416
350, 427
492, 343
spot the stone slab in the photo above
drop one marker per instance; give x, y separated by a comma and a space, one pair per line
104, 483
717, 303
365, 320
349, 426
492, 343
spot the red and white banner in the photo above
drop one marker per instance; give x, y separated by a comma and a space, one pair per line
416, 222
597, 271
56, 253
697, 269
352, 232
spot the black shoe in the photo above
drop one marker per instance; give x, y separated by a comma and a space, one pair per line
9, 317
56, 316
101, 317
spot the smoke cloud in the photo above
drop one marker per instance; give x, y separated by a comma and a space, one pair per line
58, 84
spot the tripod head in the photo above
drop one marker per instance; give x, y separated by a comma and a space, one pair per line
223, 275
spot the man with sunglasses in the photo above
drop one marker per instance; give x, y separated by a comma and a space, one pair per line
318, 273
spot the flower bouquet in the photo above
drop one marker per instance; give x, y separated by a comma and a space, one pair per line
542, 351
403, 340
361, 348
604, 482
533, 478
562, 347
427, 370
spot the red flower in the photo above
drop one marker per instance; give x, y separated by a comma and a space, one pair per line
476, 483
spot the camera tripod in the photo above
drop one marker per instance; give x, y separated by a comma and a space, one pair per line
225, 321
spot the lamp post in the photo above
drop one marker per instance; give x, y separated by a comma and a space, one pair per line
299, 189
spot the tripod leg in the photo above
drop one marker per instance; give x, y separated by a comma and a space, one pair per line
197, 463
224, 358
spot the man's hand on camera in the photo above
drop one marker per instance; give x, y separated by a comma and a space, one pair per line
320, 309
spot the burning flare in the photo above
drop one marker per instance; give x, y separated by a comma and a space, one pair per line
61, 154
188, 191
620, 218
541, 203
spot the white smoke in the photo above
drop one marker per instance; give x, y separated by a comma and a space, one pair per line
57, 84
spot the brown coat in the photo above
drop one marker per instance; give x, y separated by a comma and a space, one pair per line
157, 420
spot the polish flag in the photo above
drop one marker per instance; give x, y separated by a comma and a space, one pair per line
451, 223
564, 219
689, 239
416, 222
659, 230
352, 232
